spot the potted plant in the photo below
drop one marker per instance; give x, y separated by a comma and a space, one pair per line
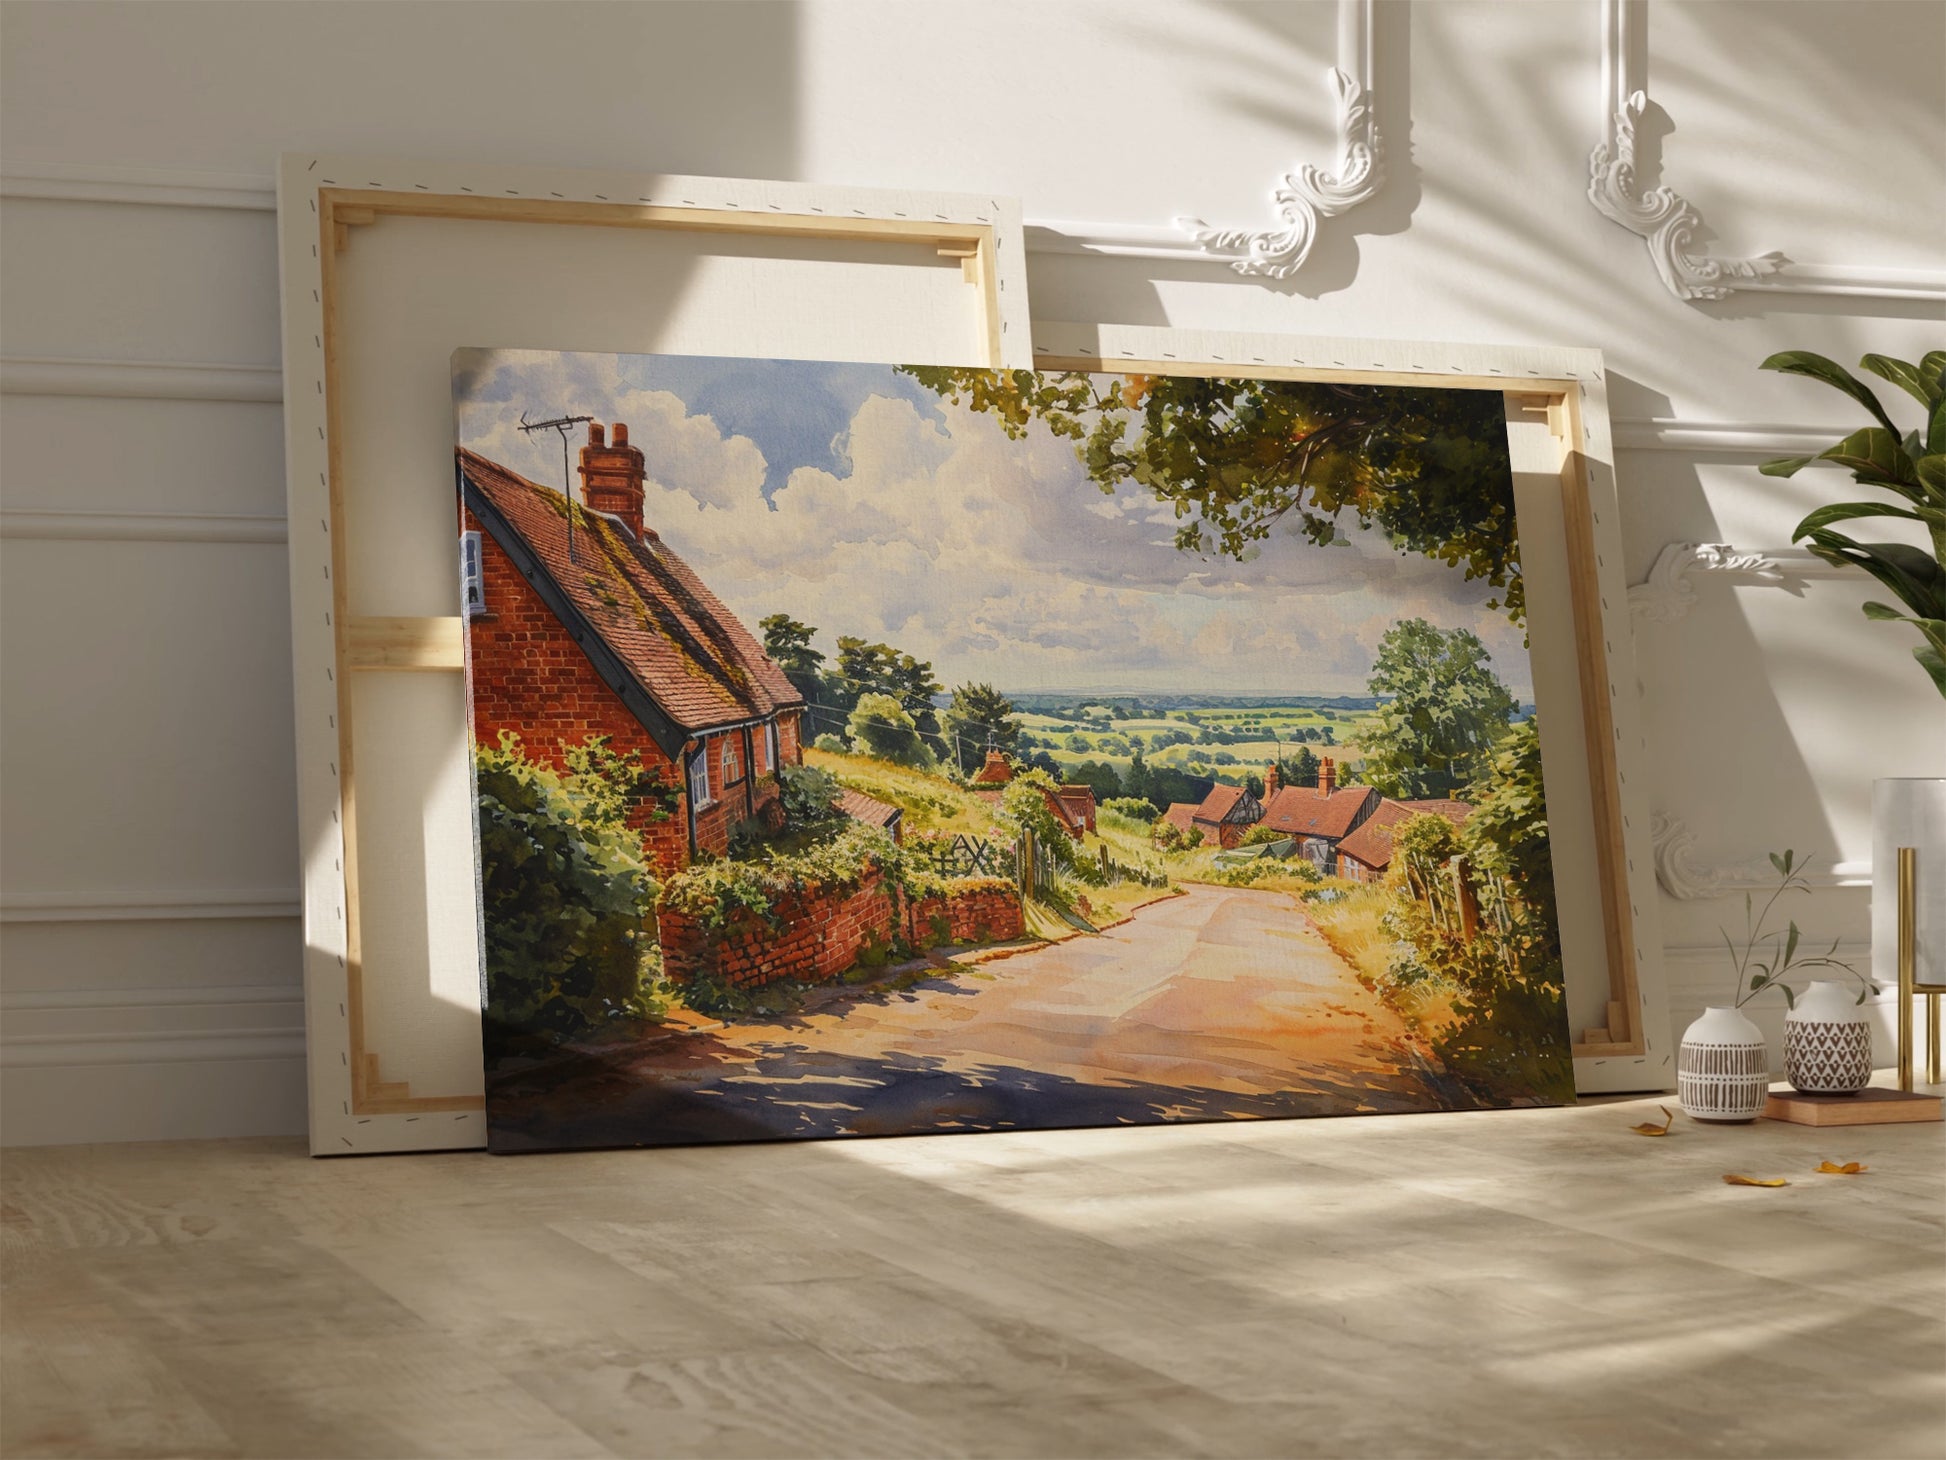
1723, 1068
1907, 811
1911, 467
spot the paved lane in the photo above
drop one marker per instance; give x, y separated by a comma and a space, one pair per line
1221, 1002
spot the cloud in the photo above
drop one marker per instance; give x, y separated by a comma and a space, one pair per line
920, 523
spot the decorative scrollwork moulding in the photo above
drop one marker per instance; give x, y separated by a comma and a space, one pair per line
1669, 224
1666, 595
1683, 875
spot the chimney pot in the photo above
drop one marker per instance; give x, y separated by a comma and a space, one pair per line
611, 476
1273, 779
1328, 776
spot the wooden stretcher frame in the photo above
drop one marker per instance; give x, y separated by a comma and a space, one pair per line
1563, 461
357, 1103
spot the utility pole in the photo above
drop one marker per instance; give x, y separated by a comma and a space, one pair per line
563, 424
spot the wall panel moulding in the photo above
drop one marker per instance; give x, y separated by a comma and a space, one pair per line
1668, 223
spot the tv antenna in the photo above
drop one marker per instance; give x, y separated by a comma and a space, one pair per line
563, 424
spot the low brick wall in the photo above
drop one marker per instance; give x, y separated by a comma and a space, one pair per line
819, 934
987, 912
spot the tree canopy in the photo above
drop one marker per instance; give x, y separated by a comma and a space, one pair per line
1444, 713
980, 718
1235, 457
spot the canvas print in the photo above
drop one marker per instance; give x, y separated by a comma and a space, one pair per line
871, 749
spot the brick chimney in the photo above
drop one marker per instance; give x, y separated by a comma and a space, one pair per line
1272, 780
1327, 776
611, 476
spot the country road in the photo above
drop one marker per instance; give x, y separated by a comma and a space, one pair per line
1220, 1003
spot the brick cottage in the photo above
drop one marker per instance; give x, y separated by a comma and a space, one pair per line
581, 621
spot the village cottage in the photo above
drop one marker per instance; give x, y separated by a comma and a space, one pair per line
582, 622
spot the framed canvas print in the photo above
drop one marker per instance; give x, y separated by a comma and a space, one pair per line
871, 749
388, 265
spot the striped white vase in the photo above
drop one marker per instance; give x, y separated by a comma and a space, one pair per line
1723, 1067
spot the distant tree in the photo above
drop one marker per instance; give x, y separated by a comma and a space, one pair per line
1132, 807
1040, 760
881, 726
1301, 769
1254, 784
1103, 779
980, 719
1328, 735
1139, 779
1076, 744
1223, 757
881, 669
788, 641
1444, 712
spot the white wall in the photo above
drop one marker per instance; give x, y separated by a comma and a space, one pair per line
148, 848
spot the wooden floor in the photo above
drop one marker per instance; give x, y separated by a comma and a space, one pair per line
1501, 1284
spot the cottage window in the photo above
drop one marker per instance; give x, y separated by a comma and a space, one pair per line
732, 761
699, 780
472, 575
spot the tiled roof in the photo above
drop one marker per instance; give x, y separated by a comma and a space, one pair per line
1081, 798
692, 656
1371, 843
995, 772
1307, 811
868, 809
1181, 815
1454, 811
1220, 802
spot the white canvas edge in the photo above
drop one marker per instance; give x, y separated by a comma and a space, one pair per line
1653, 1070
334, 1129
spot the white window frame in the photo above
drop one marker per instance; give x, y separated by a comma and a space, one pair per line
699, 764
472, 575
773, 747
732, 756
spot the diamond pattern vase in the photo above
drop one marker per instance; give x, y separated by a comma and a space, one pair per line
1723, 1067
1827, 1042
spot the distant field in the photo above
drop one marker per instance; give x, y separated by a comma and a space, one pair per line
1072, 738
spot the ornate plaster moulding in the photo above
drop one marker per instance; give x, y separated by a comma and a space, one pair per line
1683, 875
1666, 595
1668, 223
1300, 201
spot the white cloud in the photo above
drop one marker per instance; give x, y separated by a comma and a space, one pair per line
995, 559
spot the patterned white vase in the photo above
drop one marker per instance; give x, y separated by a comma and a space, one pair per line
1827, 1042
1723, 1067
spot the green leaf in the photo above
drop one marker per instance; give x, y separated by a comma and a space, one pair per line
1817, 367
1786, 466
1777, 862
1934, 663
1756, 981
1790, 945
1789, 857
1790, 999
1912, 379
1849, 511
1936, 429
1912, 573
1930, 469
1873, 455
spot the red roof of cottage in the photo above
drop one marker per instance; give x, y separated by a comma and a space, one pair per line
1181, 815
1371, 843
1079, 799
1220, 802
1454, 811
997, 770
690, 653
868, 809
1307, 811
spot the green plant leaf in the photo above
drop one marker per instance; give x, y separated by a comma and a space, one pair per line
1934, 663
1789, 857
1930, 470
1936, 429
1786, 466
1790, 999
1912, 573
1790, 946
1849, 511
1873, 454
1912, 379
1756, 981
1817, 367
1777, 862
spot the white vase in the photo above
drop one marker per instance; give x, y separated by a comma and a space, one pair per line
1723, 1067
1827, 1041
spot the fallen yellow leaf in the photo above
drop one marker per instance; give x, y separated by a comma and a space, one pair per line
1753, 1181
1850, 1168
1650, 1128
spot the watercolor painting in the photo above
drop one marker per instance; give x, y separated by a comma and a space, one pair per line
868, 749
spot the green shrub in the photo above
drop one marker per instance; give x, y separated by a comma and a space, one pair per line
565, 888
810, 795
830, 743
882, 725
713, 893
1134, 808
1262, 834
